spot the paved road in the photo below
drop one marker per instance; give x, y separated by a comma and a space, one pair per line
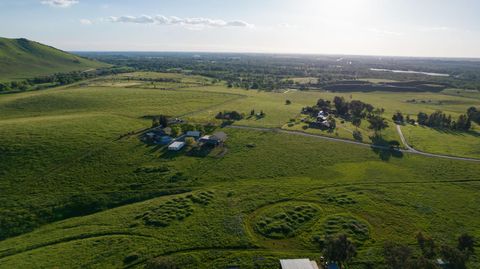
408, 150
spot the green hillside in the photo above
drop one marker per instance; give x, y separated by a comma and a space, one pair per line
22, 58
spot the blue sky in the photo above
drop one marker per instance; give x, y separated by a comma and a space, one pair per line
441, 28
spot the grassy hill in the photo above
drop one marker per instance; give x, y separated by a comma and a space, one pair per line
22, 58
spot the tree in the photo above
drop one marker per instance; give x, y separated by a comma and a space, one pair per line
454, 257
340, 105
473, 114
163, 120
288, 102
356, 122
339, 249
463, 123
155, 123
422, 118
427, 245
176, 131
190, 141
424, 263
377, 123
357, 135
324, 105
357, 108
332, 122
187, 127
398, 117
466, 243
397, 256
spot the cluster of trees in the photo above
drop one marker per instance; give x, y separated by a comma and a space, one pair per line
354, 111
229, 115
473, 114
161, 120
439, 119
59, 79
400, 256
339, 249
260, 114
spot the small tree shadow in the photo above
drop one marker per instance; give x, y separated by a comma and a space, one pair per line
200, 151
385, 149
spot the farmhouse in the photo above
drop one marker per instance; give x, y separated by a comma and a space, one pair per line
176, 146
298, 264
322, 116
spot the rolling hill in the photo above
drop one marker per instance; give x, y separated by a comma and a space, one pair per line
22, 58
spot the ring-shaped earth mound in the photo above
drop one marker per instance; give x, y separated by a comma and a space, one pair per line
356, 229
285, 220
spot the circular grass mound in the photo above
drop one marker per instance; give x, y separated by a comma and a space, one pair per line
356, 230
284, 221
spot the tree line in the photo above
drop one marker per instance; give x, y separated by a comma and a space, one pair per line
439, 119
58, 79
341, 250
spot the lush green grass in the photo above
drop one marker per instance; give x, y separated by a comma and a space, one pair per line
21, 59
448, 142
81, 197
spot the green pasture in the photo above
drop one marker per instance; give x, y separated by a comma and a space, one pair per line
80, 190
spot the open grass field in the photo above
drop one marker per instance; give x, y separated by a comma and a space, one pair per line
92, 195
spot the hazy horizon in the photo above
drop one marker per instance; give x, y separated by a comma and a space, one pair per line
439, 29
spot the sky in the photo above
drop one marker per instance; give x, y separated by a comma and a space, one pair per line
430, 28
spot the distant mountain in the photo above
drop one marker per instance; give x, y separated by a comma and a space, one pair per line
22, 58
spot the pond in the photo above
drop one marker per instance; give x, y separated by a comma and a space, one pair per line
410, 72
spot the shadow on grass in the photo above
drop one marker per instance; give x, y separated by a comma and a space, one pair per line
454, 132
170, 155
388, 149
200, 152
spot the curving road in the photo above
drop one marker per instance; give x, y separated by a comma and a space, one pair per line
414, 151
409, 149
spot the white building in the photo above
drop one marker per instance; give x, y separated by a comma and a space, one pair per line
298, 264
176, 146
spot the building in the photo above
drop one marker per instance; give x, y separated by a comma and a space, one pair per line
220, 137
298, 264
176, 146
322, 116
194, 134
215, 139
164, 140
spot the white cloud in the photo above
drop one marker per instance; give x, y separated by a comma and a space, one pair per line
86, 22
437, 29
384, 32
59, 3
172, 20
287, 25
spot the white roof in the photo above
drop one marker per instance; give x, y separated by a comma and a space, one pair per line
176, 145
298, 264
